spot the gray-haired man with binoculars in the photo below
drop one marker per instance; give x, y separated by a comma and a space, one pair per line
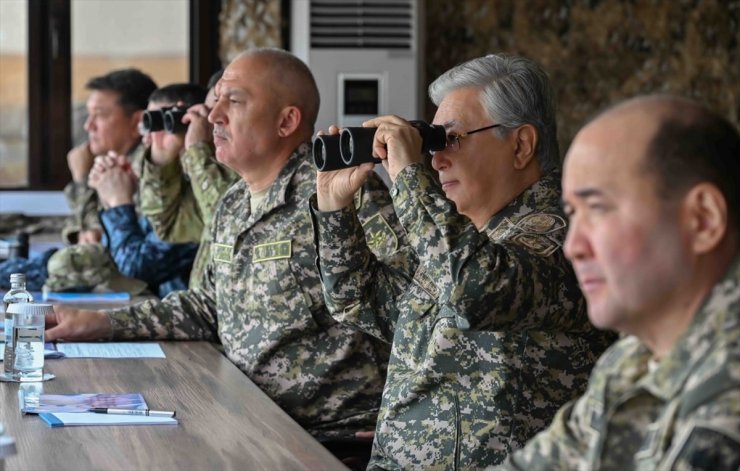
489, 330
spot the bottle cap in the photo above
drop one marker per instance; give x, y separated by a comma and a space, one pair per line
18, 278
30, 309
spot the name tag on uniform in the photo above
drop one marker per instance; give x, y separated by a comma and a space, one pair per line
272, 251
222, 252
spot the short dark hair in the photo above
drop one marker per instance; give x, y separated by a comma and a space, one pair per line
190, 93
132, 85
213, 80
696, 147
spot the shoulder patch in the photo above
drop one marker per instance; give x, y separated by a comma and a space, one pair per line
379, 235
538, 243
541, 223
534, 231
222, 252
272, 251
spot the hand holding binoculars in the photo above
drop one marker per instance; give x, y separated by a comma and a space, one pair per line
354, 145
169, 119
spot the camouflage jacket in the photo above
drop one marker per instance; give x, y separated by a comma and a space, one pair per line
139, 253
262, 298
681, 413
179, 199
489, 329
83, 200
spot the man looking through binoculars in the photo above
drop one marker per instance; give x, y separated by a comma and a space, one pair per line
489, 330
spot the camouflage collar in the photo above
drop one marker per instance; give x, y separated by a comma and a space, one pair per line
713, 326
277, 194
542, 196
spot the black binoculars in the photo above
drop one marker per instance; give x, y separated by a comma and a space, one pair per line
168, 119
354, 145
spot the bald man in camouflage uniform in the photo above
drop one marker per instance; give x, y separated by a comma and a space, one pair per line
261, 295
489, 329
651, 190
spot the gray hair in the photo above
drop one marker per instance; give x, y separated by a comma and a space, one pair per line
514, 91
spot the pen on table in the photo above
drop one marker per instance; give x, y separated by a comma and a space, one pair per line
149, 412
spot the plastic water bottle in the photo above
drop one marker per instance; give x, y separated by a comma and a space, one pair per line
28, 340
17, 294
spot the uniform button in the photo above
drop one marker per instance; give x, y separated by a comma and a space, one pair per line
394, 191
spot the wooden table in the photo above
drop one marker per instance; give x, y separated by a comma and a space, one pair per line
226, 422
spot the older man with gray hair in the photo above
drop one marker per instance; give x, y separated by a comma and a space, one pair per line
489, 329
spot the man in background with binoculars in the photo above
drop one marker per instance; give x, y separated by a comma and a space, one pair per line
489, 329
179, 193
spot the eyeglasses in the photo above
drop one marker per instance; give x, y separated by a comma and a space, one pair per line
453, 139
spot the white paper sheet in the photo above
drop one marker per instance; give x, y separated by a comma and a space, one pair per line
110, 349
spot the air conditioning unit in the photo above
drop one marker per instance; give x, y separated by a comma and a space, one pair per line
366, 56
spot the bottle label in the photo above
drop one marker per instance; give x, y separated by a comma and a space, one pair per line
28, 334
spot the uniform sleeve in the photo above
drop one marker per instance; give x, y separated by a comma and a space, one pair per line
486, 284
136, 250
182, 315
208, 178
167, 200
362, 285
83, 201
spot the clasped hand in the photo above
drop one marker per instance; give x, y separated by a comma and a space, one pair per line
113, 179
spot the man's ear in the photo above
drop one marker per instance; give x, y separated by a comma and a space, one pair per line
135, 120
706, 211
289, 121
526, 139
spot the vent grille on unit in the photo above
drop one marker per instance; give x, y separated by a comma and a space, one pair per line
364, 24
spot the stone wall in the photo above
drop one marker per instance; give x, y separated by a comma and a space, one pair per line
596, 52
599, 52
246, 24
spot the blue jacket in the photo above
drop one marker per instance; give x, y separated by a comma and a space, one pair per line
139, 253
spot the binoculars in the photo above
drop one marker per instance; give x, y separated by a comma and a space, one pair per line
168, 119
354, 145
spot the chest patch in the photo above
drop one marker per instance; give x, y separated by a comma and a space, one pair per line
222, 252
272, 251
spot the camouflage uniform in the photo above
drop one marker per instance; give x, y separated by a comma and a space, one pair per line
681, 413
88, 267
262, 297
489, 339
84, 203
179, 199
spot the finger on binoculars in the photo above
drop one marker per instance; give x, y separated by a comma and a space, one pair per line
390, 118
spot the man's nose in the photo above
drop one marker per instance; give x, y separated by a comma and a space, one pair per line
216, 115
440, 161
576, 246
89, 124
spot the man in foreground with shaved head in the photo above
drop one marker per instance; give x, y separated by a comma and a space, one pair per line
651, 190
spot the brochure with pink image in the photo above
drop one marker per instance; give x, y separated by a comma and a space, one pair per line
34, 404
